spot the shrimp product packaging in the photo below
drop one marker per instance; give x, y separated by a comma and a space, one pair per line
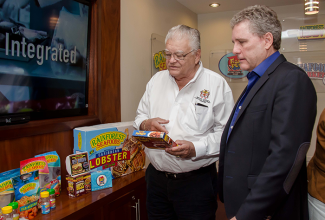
110, 147
52, 180
27, 192
40, 164
7, 193
154, 139
101, 180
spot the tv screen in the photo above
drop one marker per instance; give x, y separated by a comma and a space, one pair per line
44, 57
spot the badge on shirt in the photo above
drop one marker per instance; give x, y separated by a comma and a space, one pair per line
204, 95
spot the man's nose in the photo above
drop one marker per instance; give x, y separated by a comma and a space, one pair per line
172, 59
236, 49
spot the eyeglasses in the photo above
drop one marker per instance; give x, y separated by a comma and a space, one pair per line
177, 56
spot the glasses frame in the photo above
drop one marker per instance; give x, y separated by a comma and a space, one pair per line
175, 57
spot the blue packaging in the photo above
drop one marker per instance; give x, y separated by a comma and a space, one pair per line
101, 180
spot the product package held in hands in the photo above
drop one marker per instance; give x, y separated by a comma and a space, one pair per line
27, 192
109, 146
154, 139
7, 193
52, 179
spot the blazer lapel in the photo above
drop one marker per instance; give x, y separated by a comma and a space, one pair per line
259, 84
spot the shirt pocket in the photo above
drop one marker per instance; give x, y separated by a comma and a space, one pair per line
198, 119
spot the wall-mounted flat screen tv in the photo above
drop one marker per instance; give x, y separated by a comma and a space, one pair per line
44, 53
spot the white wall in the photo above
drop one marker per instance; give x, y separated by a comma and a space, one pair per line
139, 19
216, 35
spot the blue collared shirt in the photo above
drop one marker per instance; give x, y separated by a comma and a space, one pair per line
253, 77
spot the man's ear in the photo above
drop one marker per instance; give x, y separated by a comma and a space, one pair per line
268, 37
198, 56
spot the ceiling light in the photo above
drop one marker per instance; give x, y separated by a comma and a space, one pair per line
214, 5
311, 7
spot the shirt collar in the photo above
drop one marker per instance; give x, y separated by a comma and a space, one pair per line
198, 72
262, 67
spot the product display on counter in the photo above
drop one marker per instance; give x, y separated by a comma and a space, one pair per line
87, 179
45, 202
15, 215
27, 192
154, 139
7, 212
7, 193
52, 198
101, 180
76, 185
110, 147
77, 163
52, 180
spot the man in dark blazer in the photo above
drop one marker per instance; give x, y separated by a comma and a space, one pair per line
262, 166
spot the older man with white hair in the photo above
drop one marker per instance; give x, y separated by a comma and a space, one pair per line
192, 104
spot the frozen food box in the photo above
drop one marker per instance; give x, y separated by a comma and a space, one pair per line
101, 180
78, 185
51, 180
110, 146
154, 139
7, 193
77, 163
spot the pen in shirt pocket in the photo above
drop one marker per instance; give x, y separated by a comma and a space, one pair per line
199, 104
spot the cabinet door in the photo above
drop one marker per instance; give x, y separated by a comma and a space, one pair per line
122, 208
141, 198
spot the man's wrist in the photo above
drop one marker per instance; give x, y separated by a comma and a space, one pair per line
143, 125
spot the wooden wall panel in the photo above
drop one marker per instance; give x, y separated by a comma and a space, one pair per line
21, 142
109, 61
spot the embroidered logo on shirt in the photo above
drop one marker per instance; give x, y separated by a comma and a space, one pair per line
204, 94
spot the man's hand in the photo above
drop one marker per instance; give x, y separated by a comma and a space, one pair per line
185, 149
154, 124
234, 218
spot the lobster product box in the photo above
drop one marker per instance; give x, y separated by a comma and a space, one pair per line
110, 146
154, 139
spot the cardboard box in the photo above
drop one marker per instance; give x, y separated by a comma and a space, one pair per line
78, 185
110, 146
154, 139
101, 180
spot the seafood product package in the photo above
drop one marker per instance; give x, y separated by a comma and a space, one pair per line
78, 185
27, 192
52, 180
110, 146
7, 193
154, 139
77, 163
101, 180
37, 163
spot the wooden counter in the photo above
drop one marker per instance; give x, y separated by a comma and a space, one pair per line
125, 200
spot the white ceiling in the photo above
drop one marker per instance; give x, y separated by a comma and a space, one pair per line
202, 6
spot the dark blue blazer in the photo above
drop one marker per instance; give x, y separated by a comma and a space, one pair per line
262, 166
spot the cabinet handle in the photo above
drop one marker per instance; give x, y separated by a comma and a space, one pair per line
136, 210
139, 208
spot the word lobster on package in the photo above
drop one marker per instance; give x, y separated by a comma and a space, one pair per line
110, 147
154, 139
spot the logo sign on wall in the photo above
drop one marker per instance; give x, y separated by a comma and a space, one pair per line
230, 67
307, 32
314, 70
159, 61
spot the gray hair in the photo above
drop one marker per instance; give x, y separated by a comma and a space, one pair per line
181, 31
261, 19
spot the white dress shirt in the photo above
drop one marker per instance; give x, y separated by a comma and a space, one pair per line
192, 116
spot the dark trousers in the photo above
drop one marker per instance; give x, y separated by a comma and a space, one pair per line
193, 197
